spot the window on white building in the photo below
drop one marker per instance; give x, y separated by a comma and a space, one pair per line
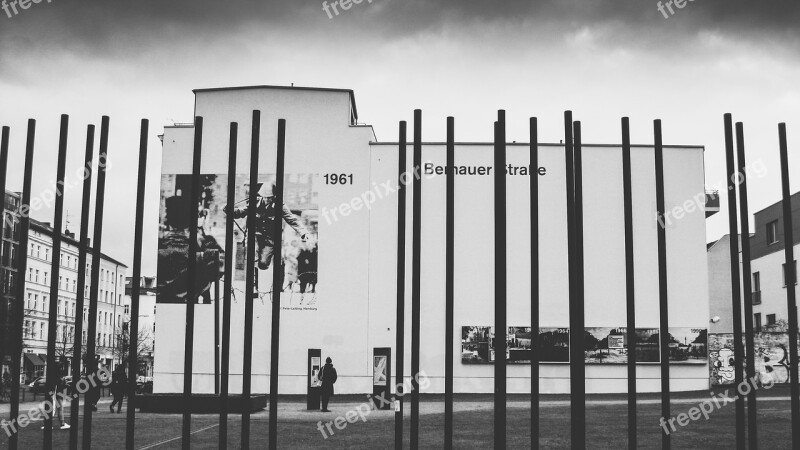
785, 272
772, 232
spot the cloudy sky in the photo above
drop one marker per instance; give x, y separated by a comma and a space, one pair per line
603, 59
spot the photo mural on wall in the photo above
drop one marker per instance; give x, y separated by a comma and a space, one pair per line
299, 246
603, 345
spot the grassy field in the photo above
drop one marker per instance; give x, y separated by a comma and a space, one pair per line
606, 425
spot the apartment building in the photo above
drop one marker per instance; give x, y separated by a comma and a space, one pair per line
111, 306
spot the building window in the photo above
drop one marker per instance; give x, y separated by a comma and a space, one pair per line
772, 232
791, 278
41, 330
29, 300
756, 288
757, 320
38, 249
36, 301
46, 254
770, 319
37, 275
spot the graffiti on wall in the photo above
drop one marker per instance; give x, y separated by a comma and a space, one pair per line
771, 358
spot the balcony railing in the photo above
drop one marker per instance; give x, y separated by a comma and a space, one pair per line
712, 203
756, 300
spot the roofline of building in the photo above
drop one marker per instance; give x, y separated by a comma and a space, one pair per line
711, 245
49, 231
546, 144
791, 200
302, 88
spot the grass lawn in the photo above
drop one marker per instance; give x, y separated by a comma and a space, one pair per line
606, 426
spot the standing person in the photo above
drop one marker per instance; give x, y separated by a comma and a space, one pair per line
328, 377
118, 383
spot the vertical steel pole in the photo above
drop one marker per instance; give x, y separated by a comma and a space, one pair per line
22, 267
630, 285
500, 319
251, 288
226, 305
577, 317
791, 300
133, 329
663, 290
449, 285
577, 386
402, 179
736, 297
216, 330
94, 295
191, 288
277, 284
53, 371
416, 249
752, 416
5, 307
533, 172
79, 296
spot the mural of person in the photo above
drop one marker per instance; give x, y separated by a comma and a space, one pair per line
265, 222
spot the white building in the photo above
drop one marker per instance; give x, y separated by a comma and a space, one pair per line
333, 164
147, 321
769, 280
111, 306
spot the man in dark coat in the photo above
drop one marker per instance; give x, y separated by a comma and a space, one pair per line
328, 377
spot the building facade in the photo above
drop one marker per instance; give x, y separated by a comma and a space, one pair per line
339, 254
147, 322
9, 253
768, 265
111, 306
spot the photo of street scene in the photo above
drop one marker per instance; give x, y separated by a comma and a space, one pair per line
606, 345
688, 345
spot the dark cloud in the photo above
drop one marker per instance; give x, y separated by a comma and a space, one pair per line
108, 26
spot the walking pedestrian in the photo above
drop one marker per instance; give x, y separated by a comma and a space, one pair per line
328, 377
59, 394
118, 383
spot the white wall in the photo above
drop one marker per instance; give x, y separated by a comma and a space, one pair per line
357, 252
604, 254
773, 294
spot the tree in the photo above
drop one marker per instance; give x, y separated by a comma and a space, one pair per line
121, 348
